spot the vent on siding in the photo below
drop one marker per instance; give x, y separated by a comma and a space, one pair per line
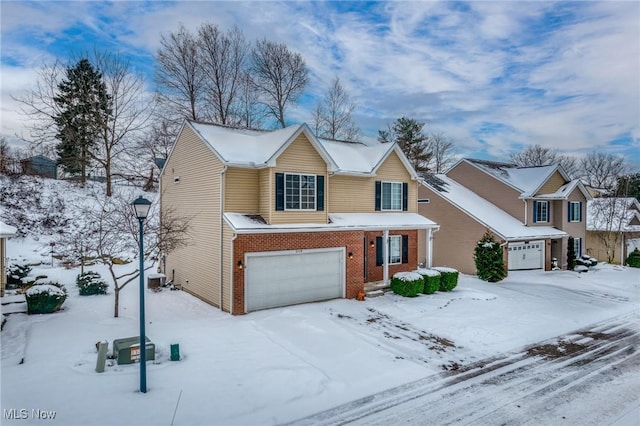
424, 200
176, 179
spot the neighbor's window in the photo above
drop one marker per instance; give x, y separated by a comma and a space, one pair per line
575, 211
395, 249
300, 192
391, 196
541, 211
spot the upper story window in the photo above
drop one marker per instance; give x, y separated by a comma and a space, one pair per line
575, 211
300, 191
391, 196
540, 211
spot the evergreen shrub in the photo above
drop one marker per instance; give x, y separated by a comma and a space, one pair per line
408, 284
91, 283
15, 273
633, 259
488, 256
431, 279
45, 298
448, 278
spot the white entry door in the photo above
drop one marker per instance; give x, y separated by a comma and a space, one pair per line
274, 279
529, 255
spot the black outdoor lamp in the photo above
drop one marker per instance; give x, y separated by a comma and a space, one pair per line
141, 207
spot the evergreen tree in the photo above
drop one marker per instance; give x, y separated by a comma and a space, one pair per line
571, 254
408, 134
84, 107
488, 256
629, 186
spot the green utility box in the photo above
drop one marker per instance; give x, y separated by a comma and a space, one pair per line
127, 350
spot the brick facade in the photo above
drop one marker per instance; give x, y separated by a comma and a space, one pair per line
353, 241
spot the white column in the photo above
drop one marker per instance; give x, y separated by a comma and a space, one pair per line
385, 255
429, 248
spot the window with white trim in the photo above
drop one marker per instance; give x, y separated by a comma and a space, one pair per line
300, 191
395, 249
575, 214
541, 211
391, 195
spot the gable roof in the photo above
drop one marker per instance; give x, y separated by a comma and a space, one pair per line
261, 148
486, 213
614, 214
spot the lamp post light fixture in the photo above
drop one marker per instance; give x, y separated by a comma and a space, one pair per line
141, 207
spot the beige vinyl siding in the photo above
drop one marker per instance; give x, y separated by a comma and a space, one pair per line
552, 184
575, 229
197, 195
227, 266
455, 242
355, 194
267, 193
242, 188
489, 188
3, 276
299, 157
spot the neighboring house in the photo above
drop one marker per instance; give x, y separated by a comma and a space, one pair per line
282, 217
613, 228
532, 210
6, 231
40, 165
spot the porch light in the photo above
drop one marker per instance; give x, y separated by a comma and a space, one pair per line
372, 243
350, 255
240, 264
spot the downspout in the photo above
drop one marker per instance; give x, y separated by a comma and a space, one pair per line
524, 200
385, 256
232, 272
222, 175
430, 246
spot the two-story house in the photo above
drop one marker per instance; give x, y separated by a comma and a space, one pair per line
532, 210
281, 217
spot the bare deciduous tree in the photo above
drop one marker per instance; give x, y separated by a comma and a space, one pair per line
223, 58
536, 155
442, 152
279, 76
332, 118
608, 219
179, 75
601, 170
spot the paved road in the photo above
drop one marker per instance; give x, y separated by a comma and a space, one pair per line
585, 377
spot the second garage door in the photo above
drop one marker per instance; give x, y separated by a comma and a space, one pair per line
526, 255
274, 279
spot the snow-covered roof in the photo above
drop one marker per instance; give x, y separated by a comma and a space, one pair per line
565, 190
613, 214
254, 223
486, 213
527, 180
257, 148
7, 230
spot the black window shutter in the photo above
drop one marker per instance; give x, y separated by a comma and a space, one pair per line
379, 251
279, 191
405, 249
378, 195
405, 196
535, 211
320, 193
569, 210
580, 217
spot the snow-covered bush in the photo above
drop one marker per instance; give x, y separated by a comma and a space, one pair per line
90, 283
488, 256
586, 260
431, 279
633, 259
16, 273
448, 278
45, 298
408, 284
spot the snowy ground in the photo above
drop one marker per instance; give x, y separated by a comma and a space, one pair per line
309, 363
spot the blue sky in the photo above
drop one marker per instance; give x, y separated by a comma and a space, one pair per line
492, 76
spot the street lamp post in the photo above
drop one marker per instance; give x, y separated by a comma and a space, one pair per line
141, 206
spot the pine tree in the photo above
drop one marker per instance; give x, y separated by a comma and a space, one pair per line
84, 107
408, 134
488, 256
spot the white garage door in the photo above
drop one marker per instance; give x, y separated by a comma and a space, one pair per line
284, 278
526, 255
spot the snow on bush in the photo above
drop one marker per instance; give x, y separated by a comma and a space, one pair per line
581, 268
408, 284
45, 298
448, 278
90, 283
431, 280
633, 259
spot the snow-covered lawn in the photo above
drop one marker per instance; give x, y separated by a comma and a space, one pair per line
282, 364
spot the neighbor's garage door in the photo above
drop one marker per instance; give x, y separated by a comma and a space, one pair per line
275, 279
526, 255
